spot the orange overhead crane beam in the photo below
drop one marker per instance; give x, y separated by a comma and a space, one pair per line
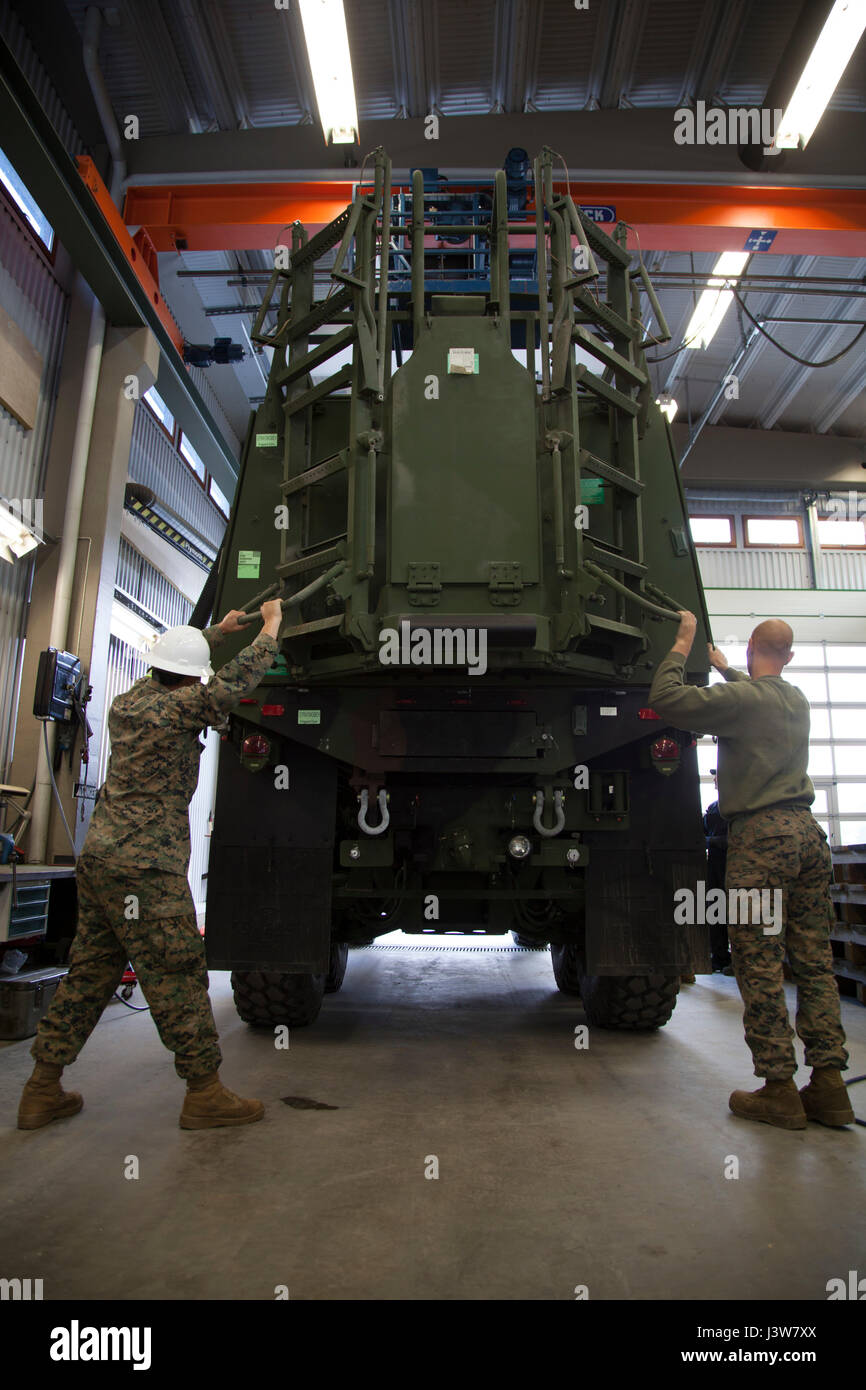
232, 216
666, 217
139, 250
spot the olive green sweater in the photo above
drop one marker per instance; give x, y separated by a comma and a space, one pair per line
763, 731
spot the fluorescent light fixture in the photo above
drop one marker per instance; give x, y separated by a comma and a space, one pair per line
667, 405
327, 41
714, 302
16, 539
826, 63
132, 629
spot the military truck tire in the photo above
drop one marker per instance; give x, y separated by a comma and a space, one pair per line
528, 942
266, 997
336, 966
634, 1002
567, 967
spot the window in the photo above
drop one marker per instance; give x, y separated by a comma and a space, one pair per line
713, 530
219, 497
193, 459
734, 651
848, 723
851, 761
819, 805
158, 407
813, 684
820, 760
834, 682
805, 656
846, 656
851, 798
708, 758
784, 531
28, 208
847, 689
834, 534
819, 723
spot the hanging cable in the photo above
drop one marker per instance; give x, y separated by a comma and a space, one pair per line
674, 352
803, 361
136, 1008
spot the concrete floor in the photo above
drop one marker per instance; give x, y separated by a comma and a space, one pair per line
557, 1167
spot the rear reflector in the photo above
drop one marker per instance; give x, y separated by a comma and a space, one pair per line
273, 709
665, 750
255, 751
647, 714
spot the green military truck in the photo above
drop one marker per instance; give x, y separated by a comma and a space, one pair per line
463, 490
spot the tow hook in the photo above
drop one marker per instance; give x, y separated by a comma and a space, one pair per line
383, 808
558, 818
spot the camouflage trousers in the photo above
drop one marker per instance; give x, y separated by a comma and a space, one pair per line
785, 848
146, 919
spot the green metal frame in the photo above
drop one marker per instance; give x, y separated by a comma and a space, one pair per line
590, 425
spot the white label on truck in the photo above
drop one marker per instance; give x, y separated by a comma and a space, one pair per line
462, 361
607, 709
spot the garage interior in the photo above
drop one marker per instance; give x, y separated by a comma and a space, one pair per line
447, 1128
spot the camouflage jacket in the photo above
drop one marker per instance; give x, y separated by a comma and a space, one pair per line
141, 818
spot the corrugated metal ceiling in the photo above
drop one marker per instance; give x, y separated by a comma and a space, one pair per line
647, 47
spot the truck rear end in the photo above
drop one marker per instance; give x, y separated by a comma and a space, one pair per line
462, 489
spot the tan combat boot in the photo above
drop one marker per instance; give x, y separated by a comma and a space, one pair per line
825, 1099
208, 1104
777, 1103
43, 1098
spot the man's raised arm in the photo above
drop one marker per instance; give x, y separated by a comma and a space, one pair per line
714, 709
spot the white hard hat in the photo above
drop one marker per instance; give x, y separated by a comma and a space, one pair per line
184, 650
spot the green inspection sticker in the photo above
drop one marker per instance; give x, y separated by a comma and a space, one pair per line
267, 441
249, 564
591, 491
309, 716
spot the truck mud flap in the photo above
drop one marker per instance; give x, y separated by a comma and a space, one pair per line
271, 865
630, 928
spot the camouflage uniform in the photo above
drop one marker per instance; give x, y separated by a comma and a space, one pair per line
785, 848
134, 901
773, 842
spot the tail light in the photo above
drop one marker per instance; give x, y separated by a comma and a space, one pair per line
255, 751
665, 754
